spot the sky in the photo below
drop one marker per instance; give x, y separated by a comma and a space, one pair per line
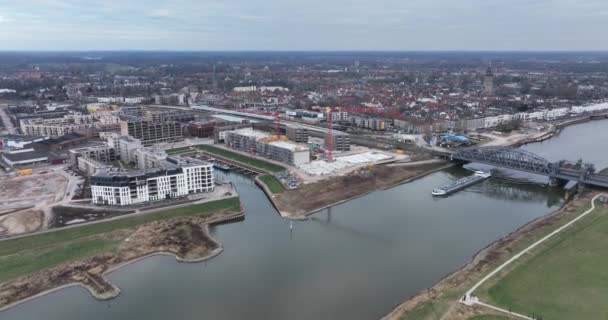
375, 25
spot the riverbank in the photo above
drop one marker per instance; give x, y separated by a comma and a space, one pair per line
313, 197
554, 129
40, 264
440, 301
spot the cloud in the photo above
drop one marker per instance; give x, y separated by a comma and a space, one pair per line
160, 13
304, 24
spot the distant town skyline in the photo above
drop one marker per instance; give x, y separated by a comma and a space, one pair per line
277, 25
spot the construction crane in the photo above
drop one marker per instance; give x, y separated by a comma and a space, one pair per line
330, 139
277, 117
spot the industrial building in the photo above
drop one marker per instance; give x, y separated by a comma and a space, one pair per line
149, 132
178, 177
297, 134
265, 145
340, 141
22, 157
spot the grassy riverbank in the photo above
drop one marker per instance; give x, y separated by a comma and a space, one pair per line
34, 253
274, 185
441, 301
564, 278
260, 164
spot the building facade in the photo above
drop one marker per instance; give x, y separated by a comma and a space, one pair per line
69, 124
297, 134
178, 177
263, 144
149, 132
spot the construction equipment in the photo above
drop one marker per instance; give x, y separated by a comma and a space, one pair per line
25, 172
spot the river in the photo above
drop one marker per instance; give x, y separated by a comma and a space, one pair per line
355, 261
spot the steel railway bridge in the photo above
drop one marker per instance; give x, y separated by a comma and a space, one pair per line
518, 159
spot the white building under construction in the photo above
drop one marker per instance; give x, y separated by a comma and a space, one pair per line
268, 146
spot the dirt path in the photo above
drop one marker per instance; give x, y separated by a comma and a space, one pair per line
482, 263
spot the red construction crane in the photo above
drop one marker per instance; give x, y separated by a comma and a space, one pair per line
277, 117
330, 140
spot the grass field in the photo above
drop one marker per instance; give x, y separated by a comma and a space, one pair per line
178, 151
272, 183
264, 165
565, 278
25, 255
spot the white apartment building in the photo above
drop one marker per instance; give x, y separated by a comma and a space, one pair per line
68, 124
178, 177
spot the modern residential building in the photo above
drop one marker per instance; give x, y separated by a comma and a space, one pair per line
178, 177
103, 153
148, 158
265, 145
149, 132
89, 166
87, 124
125, 146
176, 116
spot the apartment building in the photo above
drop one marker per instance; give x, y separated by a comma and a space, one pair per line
148, 158
69, 124
102, 153
149, 132
178, 177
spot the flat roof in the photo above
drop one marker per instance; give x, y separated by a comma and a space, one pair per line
21, 156
289, 145
229, 118
251, 133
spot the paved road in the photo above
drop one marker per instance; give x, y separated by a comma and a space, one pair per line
6, 121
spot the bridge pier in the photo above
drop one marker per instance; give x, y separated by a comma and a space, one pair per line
557, 182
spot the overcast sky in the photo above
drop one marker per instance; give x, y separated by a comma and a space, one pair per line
304, 24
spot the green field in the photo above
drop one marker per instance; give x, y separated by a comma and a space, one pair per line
178, 151
274, 185
564, 278
25, 255
260, 164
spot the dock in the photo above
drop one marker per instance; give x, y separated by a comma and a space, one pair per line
461, 184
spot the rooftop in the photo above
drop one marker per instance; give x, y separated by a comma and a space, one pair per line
288, 145
252, 133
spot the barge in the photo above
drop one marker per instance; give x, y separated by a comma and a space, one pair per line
461, 184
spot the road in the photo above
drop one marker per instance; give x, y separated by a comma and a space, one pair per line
6, 120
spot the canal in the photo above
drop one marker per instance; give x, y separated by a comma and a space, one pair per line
355, 261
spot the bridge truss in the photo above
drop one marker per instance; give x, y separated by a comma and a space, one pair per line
513, 158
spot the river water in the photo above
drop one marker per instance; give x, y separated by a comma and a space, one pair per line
355, 261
